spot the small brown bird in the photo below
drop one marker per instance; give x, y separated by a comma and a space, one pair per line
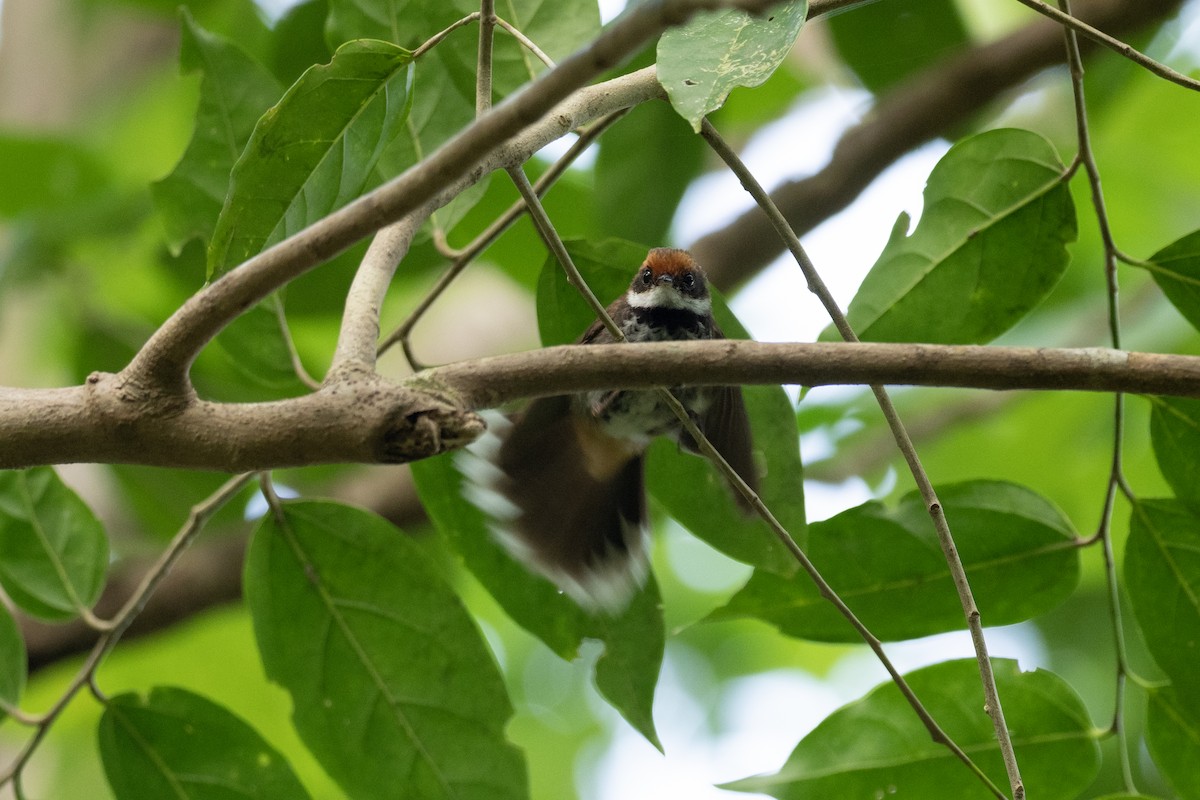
563, 482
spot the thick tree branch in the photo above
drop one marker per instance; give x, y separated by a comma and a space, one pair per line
371, 420
162, 364
930, 104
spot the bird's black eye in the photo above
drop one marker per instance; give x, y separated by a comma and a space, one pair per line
647, 277
688, 280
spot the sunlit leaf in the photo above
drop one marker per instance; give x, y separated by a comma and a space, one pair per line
1175, 433
1162, 576
53, 550
234, 92
177, 744
990, 245
701, 62
315, 150
876, 746
1173, 737
688, 487
887, 565
634, 641
1176, 270
355, 622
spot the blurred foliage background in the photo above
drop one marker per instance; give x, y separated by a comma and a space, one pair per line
94, 110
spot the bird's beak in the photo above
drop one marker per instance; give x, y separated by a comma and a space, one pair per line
667, 279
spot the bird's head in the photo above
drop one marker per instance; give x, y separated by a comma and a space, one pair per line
670, 278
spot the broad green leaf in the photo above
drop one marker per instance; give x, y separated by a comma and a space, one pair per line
177, 744
257, 345
354, 622
1162, 576
53, 551
701, 62
876, 746
644, 164
45, 174
1173, 737
990, 245
234, 92
298, 40
13, 666
884, 43
1175, 433
687, 486
314, 151
887, 565
626, 673
1176, 270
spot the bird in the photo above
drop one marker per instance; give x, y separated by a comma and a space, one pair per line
562, 483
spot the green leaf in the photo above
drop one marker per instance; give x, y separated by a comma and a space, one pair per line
234, 92
53, 551
181, 745
1173, 737
626, 673
990, 245
650, 141
298, 40
672, 476
13, 666
876, 746
1162, 576
314, 151
1175, 433
257, 345
354, 622
1176, 270
884, 43
700, 63
887, 565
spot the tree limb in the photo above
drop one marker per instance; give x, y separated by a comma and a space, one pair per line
932, 103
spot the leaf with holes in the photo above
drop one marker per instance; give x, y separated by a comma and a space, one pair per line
990, 245
700, 63
174, 743
877, 747
354, 621
314, 151
53, 550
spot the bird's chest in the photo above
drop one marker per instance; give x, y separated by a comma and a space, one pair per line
639, 416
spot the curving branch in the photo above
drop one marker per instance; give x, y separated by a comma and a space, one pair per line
935, 102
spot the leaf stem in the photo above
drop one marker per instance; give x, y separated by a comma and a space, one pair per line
816, 285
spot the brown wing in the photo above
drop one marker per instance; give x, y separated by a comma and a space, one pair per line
727, 426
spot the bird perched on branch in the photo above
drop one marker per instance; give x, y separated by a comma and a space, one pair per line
563, 482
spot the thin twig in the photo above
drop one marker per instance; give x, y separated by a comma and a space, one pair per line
285, 330
467, 254
525, 41
1115, 477
904, 443
199, 515
1116, 45
483, 69
555, 243
437, 38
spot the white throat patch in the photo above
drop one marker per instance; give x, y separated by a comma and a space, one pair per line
668, 297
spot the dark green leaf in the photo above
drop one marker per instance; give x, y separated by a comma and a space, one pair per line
234, 92
886, 42
353, 620
13, 666
181, 745
886, 564
876, 746
1173, 736
314, 151
1175, 432
990, 245
298, 40
626, 674
53, 551
645, 163
257, 345
1162, 576
672, 477
700, 63
1176, 270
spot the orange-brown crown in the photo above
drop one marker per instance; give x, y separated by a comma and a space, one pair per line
670, 261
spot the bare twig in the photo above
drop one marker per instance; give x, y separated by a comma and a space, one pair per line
904, 442
1065, 19
525, 41
436, 39
483, 69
